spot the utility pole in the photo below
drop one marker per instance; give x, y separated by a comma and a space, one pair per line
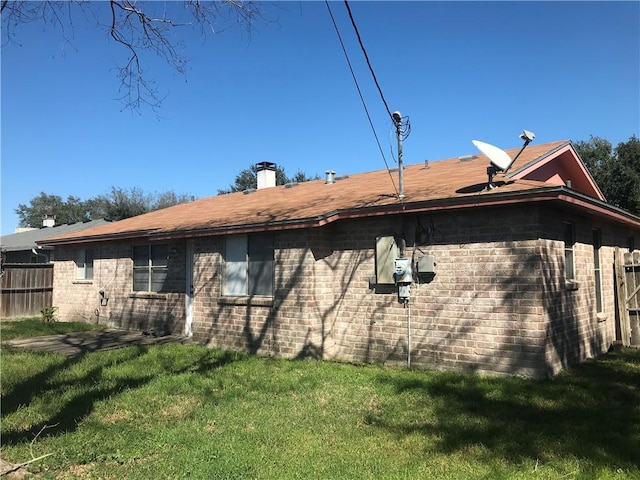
397, 120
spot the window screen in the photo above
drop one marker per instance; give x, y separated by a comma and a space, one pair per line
84, 264
248, 265
235, 265
569, 240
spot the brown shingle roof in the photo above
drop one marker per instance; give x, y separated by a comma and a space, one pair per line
315, 202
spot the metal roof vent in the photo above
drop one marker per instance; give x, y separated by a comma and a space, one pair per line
331, 177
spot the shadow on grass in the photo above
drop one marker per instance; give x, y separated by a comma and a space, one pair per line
592, 412
78, 393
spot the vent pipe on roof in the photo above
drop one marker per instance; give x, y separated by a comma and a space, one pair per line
266, 173
331, 176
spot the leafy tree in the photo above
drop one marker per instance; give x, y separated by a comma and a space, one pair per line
248, 179
142, 29
616, 171
300, 177
594, 153
118, 204
70, 211
169, 199
121, 203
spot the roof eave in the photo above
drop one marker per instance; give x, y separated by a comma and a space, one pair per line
553, 193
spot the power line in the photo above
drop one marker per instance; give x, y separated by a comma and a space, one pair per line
353, 75
364, 51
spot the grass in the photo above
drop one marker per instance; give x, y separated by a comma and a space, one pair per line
184, 411
35, 327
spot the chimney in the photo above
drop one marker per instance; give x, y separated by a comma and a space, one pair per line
48, 221
266, 173
331, 176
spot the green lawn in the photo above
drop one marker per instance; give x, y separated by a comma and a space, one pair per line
180, 411
35, 327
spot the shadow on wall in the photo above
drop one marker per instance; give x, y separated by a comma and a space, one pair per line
568, 338
532, 290
533, 329
158, 314
300, 320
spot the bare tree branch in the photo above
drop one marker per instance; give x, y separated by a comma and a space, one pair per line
142, 28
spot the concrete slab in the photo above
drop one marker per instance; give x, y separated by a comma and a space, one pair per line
72, 344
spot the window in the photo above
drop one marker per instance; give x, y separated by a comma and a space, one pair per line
248, 265
150, 266
597, 242
569, 241
84, 264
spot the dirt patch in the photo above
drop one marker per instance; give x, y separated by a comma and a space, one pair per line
12, 471
181, 409
116, 417
77, 471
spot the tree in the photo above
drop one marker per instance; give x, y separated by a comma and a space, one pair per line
43, 205
118, 204
141, 28
248, 179
594, 153
616, 171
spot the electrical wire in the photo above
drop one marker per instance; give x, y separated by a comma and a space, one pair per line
355, 80
405, 132
364, 51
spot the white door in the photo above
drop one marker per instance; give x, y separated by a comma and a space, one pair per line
188, 298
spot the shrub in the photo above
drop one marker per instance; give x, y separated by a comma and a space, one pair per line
49, 314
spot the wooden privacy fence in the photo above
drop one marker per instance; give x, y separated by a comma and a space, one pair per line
25, 289
627, 267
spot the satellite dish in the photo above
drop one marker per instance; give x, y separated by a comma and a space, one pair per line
500, 161
496, 155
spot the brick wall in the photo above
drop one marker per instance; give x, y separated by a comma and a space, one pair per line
80, 300
499, 302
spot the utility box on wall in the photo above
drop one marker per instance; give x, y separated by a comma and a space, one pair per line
426, 268
426, 265
386, 254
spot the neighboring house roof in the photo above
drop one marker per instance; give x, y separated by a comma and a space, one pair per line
27, 240
540, 173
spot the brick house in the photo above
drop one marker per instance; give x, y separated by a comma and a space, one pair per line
523, 283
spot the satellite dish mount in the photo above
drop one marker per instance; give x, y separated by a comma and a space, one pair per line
500, 161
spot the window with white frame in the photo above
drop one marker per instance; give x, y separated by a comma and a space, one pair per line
248, 265
597, 243
569, 241
84, 264
150, 267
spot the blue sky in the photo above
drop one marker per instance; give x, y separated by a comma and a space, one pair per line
284, 93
